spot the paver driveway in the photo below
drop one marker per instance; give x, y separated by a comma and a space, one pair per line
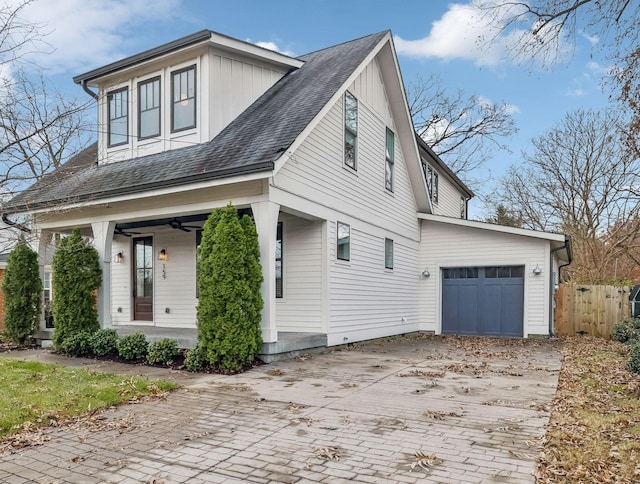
472, 409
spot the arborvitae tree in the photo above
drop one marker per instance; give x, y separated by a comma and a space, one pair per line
76, 276
22, 288
229, 302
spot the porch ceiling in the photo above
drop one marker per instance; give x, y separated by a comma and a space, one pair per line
179, 222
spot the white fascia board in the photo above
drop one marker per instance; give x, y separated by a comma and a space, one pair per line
537, 234
253, 50
158, 192
327, 107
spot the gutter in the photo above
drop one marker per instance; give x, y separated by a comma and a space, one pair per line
86, 89
567, 247
11, 223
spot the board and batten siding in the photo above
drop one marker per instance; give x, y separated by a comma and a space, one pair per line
300, 308
445, 245
177, 291
366, 299
316, 171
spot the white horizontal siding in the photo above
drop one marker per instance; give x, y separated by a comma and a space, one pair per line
446, 245
366, 299
177, 291
301, 307
316, 171
448, 197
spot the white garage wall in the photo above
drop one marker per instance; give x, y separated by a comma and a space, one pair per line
445, 245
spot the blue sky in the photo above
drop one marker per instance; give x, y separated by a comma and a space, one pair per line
431, 37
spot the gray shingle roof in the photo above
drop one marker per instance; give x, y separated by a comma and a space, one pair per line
249, 144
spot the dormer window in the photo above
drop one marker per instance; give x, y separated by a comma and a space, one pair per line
149, 108
118, 114
183, 108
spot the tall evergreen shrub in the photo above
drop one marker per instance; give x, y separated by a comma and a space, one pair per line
76, 277
229, 302
22, 289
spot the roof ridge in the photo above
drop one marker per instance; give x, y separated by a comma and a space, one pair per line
345, 42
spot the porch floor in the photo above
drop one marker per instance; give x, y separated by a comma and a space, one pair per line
289, 344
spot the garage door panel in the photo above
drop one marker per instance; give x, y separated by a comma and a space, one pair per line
483, 301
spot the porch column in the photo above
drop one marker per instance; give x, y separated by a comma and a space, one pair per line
265, 215
102, 238
40, 241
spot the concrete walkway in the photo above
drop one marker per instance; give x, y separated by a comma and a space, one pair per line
414, 409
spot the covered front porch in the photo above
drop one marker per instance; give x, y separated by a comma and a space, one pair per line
150, 271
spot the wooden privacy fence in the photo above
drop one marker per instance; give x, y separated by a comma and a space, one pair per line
592, 309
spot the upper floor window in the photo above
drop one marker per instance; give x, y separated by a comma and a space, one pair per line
463, 208
183, 107
350, 129
343, 251
118, 114
149, 108
431, 177
390, 157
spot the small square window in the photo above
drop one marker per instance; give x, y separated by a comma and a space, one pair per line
388, 254
389, 162
343, 249
183, 99
118, 114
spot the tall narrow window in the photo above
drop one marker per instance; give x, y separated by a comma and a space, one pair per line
183, 107
434, 187
350, 129
118, 113
343, 249
198, 242
390, 157
388, 253
149, 108
463, 208
279, 261
48, 300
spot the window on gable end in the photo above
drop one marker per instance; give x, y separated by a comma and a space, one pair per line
149, 108
118, 115
389, 162
463, 208
350, 130
183, 99
434, 187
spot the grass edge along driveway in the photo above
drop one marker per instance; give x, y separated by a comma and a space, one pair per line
34, 394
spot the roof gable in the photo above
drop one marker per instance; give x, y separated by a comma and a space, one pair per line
249, 144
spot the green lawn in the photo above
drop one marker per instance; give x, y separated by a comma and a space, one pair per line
33, 393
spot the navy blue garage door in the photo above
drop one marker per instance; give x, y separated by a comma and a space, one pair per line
483, 300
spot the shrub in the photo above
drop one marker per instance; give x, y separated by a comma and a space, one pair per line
104, 342
162, 352
133, 346
633, 365
22, 288
76, 276
77, 344
195, 359
229, 302
627, 329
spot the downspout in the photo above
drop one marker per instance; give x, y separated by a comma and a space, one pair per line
87, 90
17, 225
567, 246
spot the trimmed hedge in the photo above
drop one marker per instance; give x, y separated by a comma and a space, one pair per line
162, 352
133, 346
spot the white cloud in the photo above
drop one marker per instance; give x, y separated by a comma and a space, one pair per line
82, 34
592, 39
272, 46
577, 92
471, 32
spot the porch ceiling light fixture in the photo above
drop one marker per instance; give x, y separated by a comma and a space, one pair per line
119, 258
536, 270
162, 255
426, 273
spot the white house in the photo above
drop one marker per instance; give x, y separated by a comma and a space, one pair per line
362, 228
